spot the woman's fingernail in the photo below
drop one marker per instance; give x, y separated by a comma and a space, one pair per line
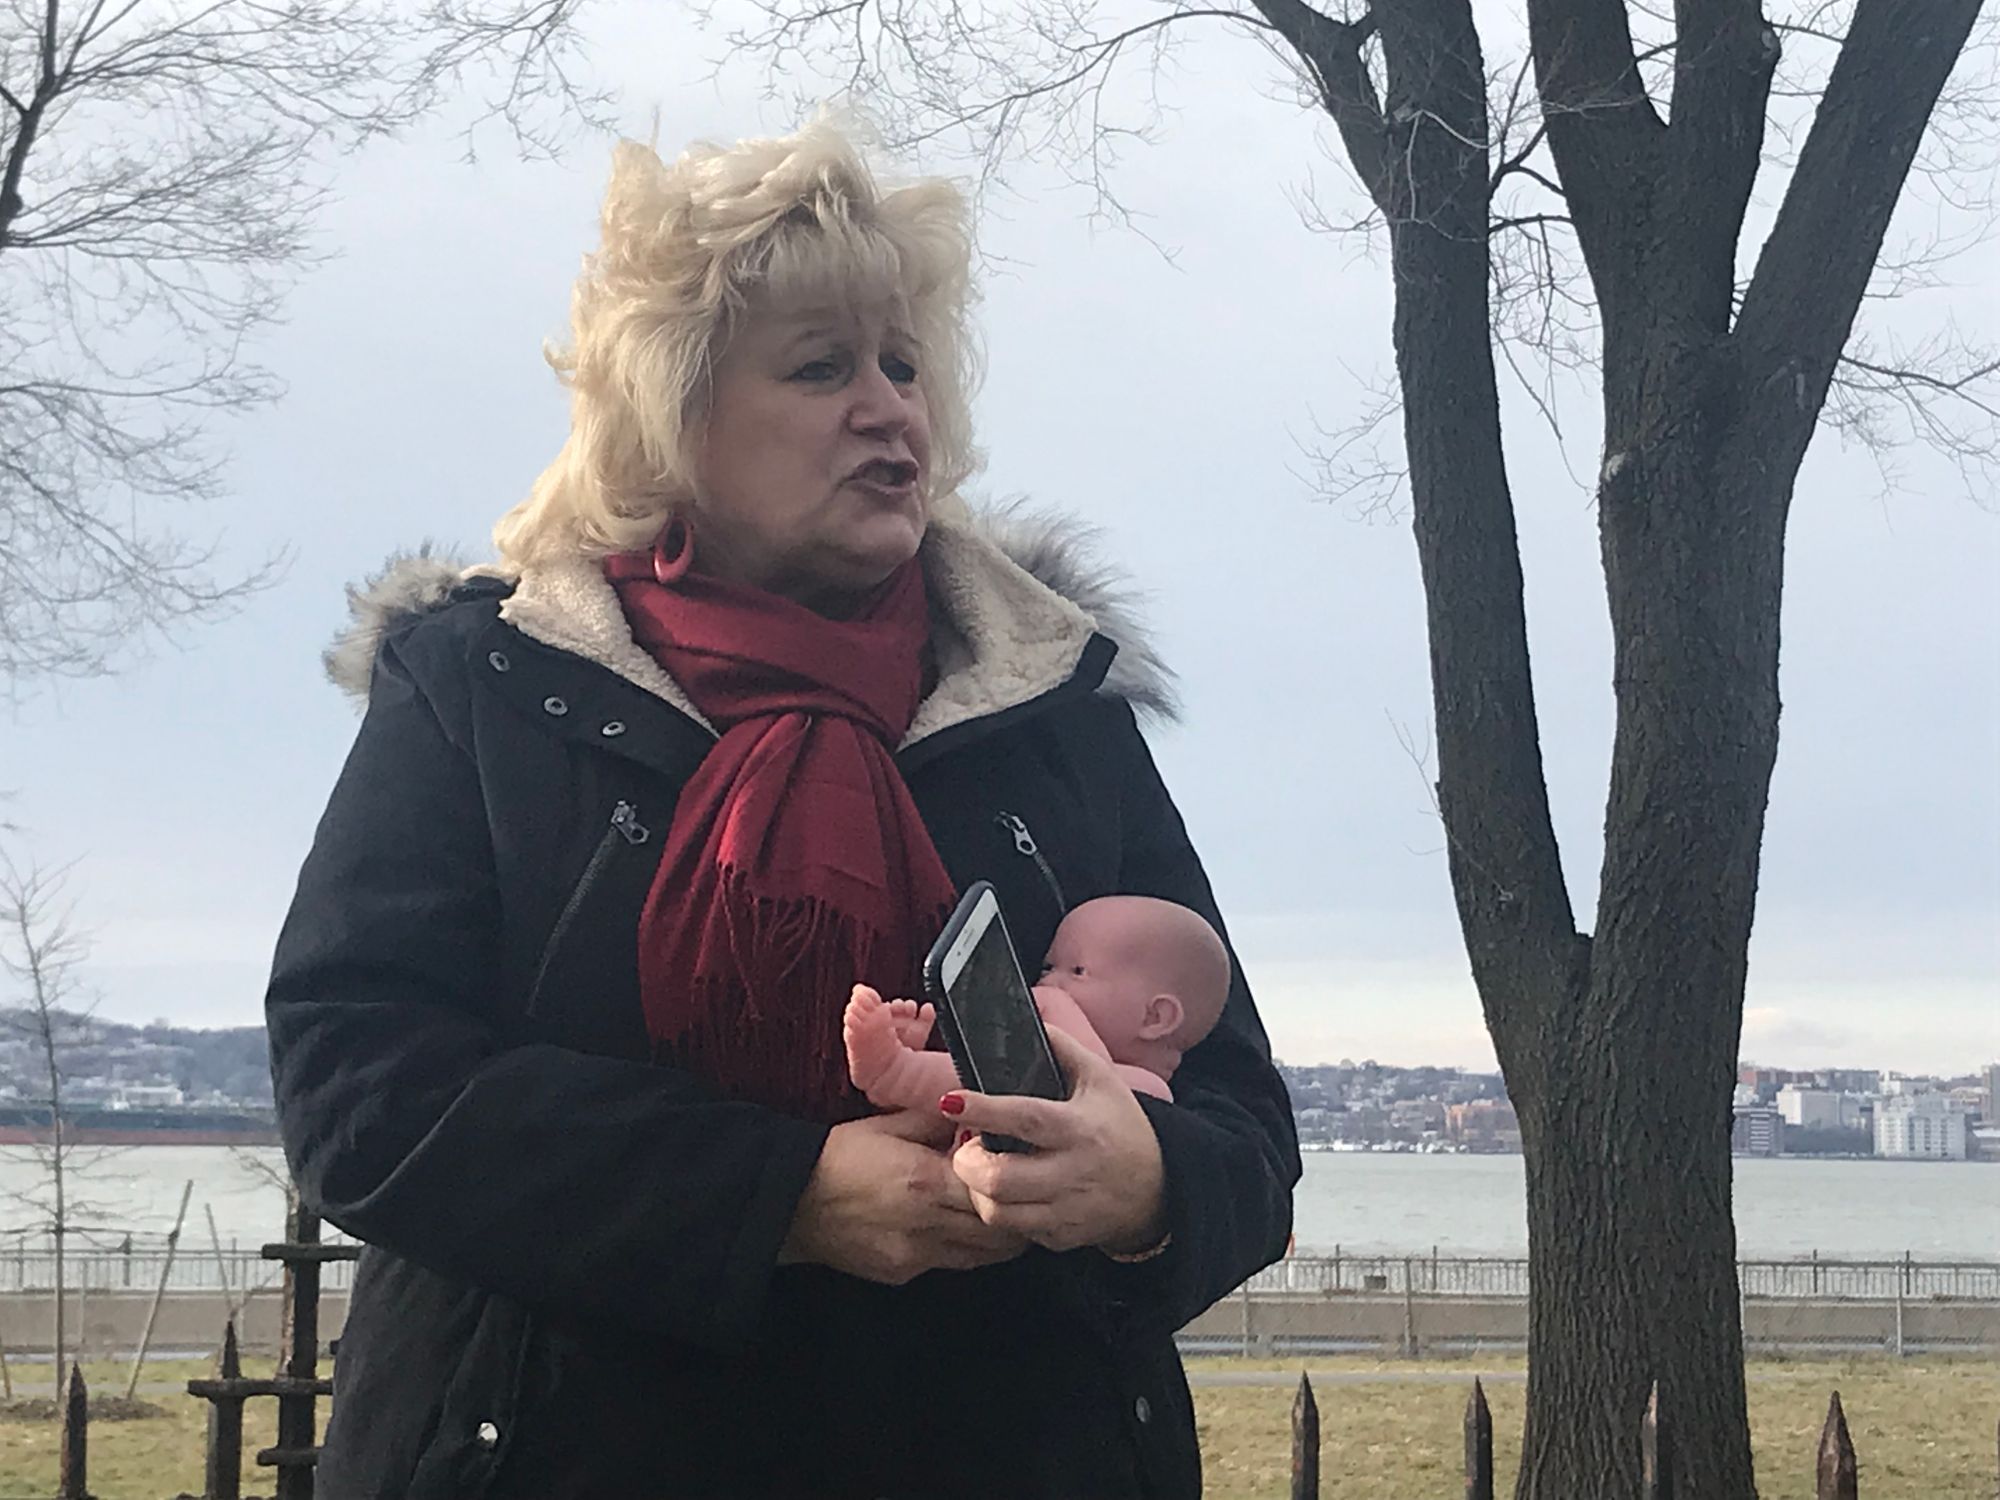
952, 1104
964, 1136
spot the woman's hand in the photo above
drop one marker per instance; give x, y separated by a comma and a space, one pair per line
884, 1205
1095, 1176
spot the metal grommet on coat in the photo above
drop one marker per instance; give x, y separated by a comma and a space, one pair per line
1143, 1410
554, 705
497, 660
488, 1435
613, 729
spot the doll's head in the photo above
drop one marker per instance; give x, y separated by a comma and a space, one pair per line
1151, 976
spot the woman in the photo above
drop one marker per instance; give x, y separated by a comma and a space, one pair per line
555, 1018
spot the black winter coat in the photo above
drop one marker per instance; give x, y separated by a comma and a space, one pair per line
570, 1288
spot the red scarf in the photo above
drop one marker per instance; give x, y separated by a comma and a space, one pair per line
796, 864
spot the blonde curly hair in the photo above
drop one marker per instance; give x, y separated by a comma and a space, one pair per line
686, 249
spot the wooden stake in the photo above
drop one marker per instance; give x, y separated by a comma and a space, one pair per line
1837, 1475
1478, 1445
73, 1480
159, 1292
224, 1480
1305, 1442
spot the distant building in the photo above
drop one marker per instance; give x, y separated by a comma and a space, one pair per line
1484, 1125
1818, 1109
1992, 1110
1982, 1143
1922, 1126
148, 1096
1756, 1130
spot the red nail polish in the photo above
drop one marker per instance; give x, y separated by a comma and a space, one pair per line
964, 1136
952, 1104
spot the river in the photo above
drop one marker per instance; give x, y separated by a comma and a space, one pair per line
1366, 1203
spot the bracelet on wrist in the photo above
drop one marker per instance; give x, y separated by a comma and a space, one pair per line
1135, 1257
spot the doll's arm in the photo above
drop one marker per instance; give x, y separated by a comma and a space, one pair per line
1144, 1081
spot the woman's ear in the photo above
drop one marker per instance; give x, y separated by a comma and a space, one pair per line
1164, 1014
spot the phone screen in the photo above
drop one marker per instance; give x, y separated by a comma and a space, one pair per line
996, 1019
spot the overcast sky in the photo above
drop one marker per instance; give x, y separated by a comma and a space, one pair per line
1169, 404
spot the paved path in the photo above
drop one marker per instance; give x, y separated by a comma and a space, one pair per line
1290, 1378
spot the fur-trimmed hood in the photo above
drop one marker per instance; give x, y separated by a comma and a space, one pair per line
1016, 595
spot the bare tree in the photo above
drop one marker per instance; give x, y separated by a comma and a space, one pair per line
42, 953
161, 165
1589, 206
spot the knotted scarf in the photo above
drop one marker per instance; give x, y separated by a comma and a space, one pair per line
796, 863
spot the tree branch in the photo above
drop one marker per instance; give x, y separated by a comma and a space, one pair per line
1724, 59
1505, 868
1813, 271
1603, 132
1331, 51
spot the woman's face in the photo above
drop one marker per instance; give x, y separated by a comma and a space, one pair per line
814, 456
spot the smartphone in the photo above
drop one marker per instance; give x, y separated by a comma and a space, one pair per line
985, 1011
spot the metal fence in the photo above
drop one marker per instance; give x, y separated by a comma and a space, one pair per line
25, 1269
1436, 1305
1507, 1276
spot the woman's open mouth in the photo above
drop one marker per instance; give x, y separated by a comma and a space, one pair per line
892, 478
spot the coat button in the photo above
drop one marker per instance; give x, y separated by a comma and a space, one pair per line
488, 1435
1143, 1410
497, 660
554, 705
613, 729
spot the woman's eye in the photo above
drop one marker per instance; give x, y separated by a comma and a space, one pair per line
900, 370
818, 369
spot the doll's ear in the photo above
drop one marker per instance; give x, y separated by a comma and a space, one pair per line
1164, 1014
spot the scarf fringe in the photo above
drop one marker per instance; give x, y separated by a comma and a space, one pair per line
780, 1045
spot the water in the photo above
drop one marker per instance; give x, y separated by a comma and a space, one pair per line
1380, 1203
136, 1189
1367, 1203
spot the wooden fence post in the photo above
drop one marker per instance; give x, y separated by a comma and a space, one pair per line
224, 1477
1478, 1445
73, 1480
1305, 1442
1656, 1451
1837, 1474
294, 1456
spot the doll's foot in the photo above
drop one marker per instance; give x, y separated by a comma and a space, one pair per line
871, 1030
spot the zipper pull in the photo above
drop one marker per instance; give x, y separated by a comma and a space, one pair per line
625, 818
1024, 841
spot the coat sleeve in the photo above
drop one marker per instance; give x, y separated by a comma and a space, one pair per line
1228, 1140
627, 1195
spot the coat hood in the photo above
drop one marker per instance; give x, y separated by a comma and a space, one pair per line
1017, 594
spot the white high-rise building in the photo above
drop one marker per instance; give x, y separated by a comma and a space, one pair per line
1929, 1126
1809, 1109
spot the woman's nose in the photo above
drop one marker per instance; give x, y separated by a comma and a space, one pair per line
879, 404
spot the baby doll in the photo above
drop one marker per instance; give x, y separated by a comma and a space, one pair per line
1137, 980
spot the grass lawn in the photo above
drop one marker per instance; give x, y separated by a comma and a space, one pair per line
142, 1460
1924, 1431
